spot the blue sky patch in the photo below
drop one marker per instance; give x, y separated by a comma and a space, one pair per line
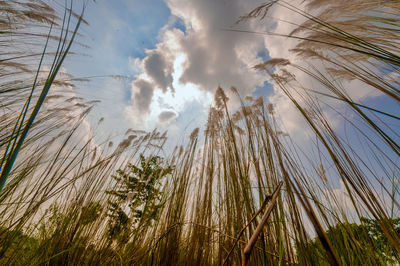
265, 91
264, 55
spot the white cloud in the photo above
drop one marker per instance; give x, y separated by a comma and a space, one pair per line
207, 56
150, 108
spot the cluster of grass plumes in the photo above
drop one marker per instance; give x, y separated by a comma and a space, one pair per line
67, 203
340, 43
35, 42
209, 194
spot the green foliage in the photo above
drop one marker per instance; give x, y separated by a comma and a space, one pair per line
138, 191
90, 213
53, 218
22, 246
352, 243
383, 248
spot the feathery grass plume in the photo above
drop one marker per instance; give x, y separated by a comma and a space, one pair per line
20, 16
354, 42
206, 201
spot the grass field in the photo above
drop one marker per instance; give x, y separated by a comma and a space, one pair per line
66, 200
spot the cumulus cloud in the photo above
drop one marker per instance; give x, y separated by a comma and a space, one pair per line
216, 56
284, 22
212, 56
166, 116
142, 94
159, 70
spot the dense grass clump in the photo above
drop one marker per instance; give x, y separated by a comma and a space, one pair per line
241, 190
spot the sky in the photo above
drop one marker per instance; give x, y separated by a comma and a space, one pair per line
172, 56
168, 57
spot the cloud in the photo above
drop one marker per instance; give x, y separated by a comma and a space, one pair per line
216, 56
142, 94
166, 116
159, 70
284, 22
212, 56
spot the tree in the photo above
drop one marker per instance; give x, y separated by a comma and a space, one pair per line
381, 243
136, 198
353, 244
